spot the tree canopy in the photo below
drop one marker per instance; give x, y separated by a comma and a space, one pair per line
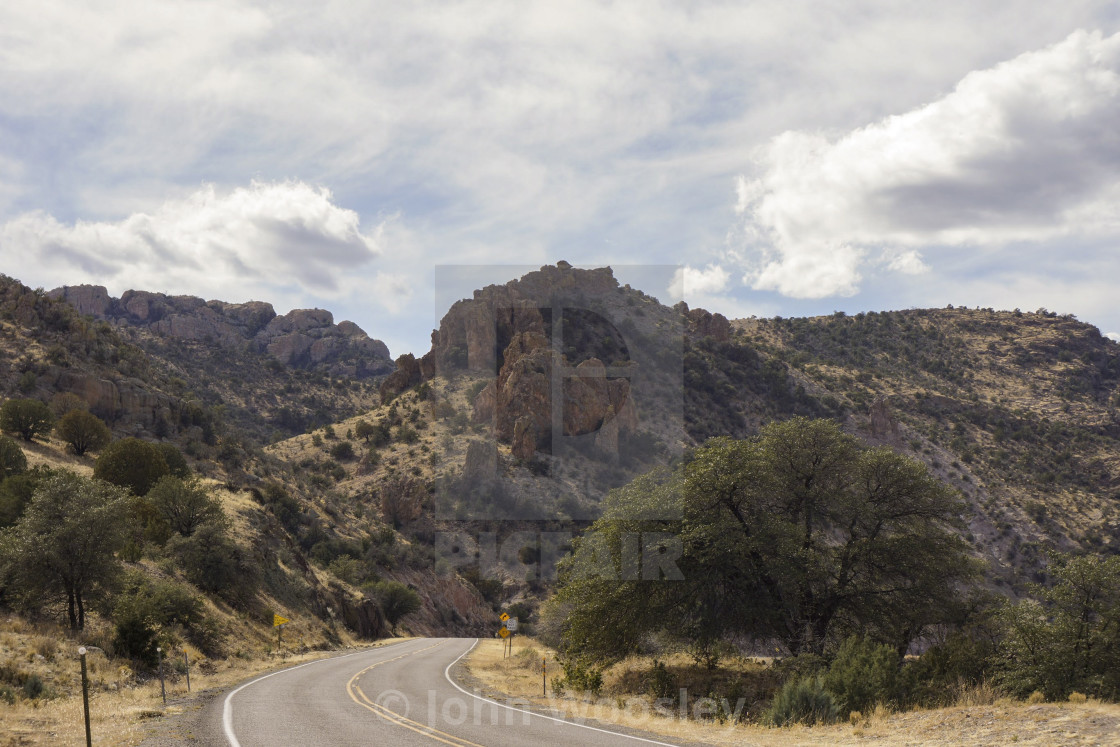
83, 431
133, 464
12, 459
801, 535
29, 418
64, 545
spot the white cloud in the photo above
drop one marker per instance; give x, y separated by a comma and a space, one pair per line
689, 281
1114, 336
254, 241
1023, 151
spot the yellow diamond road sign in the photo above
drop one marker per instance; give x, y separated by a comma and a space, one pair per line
504, 633
277, 621
504, 616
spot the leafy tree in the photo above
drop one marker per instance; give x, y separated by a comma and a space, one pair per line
64, 544
1068, 638
16, 492
12, 459
30, 418
801, 534
84, 431
184, 504
395, 600
66, 402
213, 562
364, 430
131, 463
176, 462
149, 611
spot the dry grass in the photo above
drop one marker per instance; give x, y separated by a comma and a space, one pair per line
979, 719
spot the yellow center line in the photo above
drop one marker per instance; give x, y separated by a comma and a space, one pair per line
363, 700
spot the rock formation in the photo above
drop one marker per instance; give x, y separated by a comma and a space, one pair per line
302, 338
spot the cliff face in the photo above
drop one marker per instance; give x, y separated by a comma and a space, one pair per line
525, 336
305, 339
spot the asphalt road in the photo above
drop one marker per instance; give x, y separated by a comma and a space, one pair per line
402, 694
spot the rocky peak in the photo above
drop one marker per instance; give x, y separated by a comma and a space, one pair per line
302, 338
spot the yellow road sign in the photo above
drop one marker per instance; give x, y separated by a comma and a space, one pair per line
504, 633
277, 621
504, 616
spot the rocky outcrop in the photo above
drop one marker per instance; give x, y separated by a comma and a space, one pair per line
407, 374
302, 338
703, 323
506, 331
123, 399
884, 427
91, 300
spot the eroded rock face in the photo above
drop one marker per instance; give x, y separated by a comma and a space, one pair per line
92, 300
302, 338
703, 323
507, 331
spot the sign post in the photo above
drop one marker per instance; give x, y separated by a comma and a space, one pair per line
279, 622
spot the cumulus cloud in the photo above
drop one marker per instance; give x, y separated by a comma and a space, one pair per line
249, 241
689, 281
1114, 336
1024, 151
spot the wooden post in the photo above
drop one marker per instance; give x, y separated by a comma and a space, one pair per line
162, 689
85, 695
187, 666
544, 671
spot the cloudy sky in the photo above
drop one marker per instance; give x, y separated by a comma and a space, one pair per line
793, 158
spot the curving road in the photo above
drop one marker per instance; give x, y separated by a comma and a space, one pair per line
402, 694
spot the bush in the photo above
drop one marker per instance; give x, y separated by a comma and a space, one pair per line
16, 492
149, 611
213, 562
12, 459
184, 505
133, 464
396, 600
581, 677
176, 462
802, 701
863, 674
659, 683
29, 418
342, 451
83, 431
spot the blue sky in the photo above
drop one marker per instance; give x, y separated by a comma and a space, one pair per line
791, 158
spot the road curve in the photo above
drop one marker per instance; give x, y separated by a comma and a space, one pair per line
401, 694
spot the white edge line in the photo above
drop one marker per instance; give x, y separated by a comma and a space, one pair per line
447, 675
227, 706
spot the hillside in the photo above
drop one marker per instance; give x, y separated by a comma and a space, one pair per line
338, 471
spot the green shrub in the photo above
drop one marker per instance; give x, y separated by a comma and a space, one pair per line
396, 600
12, 459
581, 677
148, 612
33, 687
213, 562
801, 701
133, 464
83, 431
176, 463
342, 451
862, 674
29, 418
184, 504
659, 683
